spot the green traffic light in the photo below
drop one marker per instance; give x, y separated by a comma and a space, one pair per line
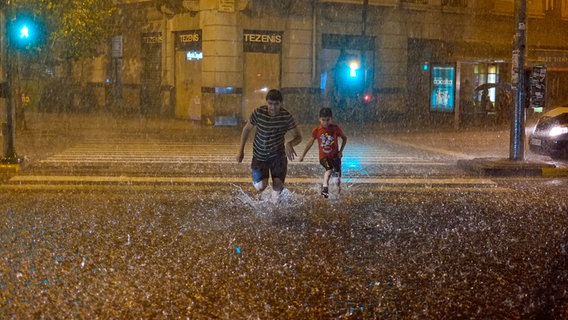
353, 67
349, 75
24, 32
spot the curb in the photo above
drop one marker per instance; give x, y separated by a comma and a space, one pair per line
14, 167
507, 167
562, 172
10, 167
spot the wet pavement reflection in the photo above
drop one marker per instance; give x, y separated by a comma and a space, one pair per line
140, 221
225, 252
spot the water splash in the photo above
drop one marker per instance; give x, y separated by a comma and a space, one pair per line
266, 202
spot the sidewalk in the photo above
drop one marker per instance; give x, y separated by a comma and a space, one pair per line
97, 123
479, 150
484, 152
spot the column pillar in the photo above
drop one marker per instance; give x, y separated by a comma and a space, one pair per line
222, 65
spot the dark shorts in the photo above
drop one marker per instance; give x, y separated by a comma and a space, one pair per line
275, 167
331, 164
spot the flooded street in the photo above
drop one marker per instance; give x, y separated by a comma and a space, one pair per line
172, 159
218, 252
158, 223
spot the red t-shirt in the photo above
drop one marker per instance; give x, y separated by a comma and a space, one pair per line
327, 140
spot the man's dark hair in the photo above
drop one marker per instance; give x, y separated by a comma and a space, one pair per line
274, 95
325, 112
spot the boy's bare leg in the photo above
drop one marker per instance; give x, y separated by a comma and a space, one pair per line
338, 182
326, 177
277, 187
325, 184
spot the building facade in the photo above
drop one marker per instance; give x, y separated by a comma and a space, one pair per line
214, 60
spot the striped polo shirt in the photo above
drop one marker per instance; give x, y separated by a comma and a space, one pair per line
270, 132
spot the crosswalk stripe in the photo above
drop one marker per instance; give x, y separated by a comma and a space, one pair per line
167, 152
223, 179
202, 188
229, 160
458, 155
165, 183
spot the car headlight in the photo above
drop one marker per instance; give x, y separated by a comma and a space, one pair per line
557, 130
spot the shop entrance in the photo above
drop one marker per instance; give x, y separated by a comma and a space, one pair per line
187, 74
262, 73
485, 93
151, 78
188, 86
557, 80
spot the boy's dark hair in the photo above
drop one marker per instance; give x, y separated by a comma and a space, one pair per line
325, 112
274, 95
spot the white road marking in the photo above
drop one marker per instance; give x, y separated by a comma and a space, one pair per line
224, 179
98, 152
458, 155
201, 188
140, 183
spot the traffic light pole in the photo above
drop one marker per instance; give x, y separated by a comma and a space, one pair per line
8, 128
10, 155
517, 147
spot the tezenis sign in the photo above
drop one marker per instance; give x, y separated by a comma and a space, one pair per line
262, 41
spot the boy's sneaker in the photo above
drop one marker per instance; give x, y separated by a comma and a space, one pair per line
325, 192
275, 197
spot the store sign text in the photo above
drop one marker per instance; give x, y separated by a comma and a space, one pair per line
443, 81
262, 41
263, 38
552, 59
192, 55
152, 38
193, 37
189, 40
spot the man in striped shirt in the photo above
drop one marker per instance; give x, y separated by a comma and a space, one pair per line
270, 151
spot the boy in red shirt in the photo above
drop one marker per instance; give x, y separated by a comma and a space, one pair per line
329, 153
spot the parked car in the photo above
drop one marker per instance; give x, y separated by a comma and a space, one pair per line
550, 135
